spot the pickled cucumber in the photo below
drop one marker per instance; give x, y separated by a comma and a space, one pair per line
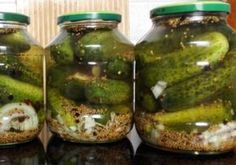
32, 59
62, 52
156, 45
75, 84
101, 45
57, 75
74, 89
69, 81
16, 91
65, 108
119, 68
11, 66
60, 105
199, 88
15, 42
214, 113
150, 52
209, 48
148, 102
108, 92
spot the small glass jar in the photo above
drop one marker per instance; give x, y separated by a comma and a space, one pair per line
185, 88
21, 81
89, 79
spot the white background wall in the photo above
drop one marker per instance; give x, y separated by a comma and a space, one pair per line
139, 10
8, 5
139, 14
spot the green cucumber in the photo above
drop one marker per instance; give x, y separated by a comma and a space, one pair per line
57, 74
69, 80
32, 59
149, 103
74, 89
185, 63
68, 109
108, 92
12, 67
101, 45
62, 51
119, 68
201, 87
214, 113
75, 84
16, 91
15, 42
62, 106
155, 46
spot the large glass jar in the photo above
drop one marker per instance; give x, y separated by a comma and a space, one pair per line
89, 79
21, 81
186, 72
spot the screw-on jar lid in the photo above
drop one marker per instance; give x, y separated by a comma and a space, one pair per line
81, 16
200, 6
16, 17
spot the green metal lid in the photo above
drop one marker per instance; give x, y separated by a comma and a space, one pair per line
16, 17
199, 6
81, 16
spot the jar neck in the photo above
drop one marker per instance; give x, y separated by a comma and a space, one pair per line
12, 25
185, 19
89, 25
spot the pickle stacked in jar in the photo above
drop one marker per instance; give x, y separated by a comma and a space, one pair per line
186, 85
89, 78
21, 86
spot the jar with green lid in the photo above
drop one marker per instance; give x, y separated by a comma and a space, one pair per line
185, 79
89, 79
21, 81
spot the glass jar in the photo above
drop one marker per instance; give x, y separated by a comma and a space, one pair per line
21, 81
185, 87
89, 79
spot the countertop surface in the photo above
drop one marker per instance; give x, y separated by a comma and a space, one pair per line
123, 152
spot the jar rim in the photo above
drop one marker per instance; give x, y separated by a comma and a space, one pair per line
199, 6
89, 15
14, 17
